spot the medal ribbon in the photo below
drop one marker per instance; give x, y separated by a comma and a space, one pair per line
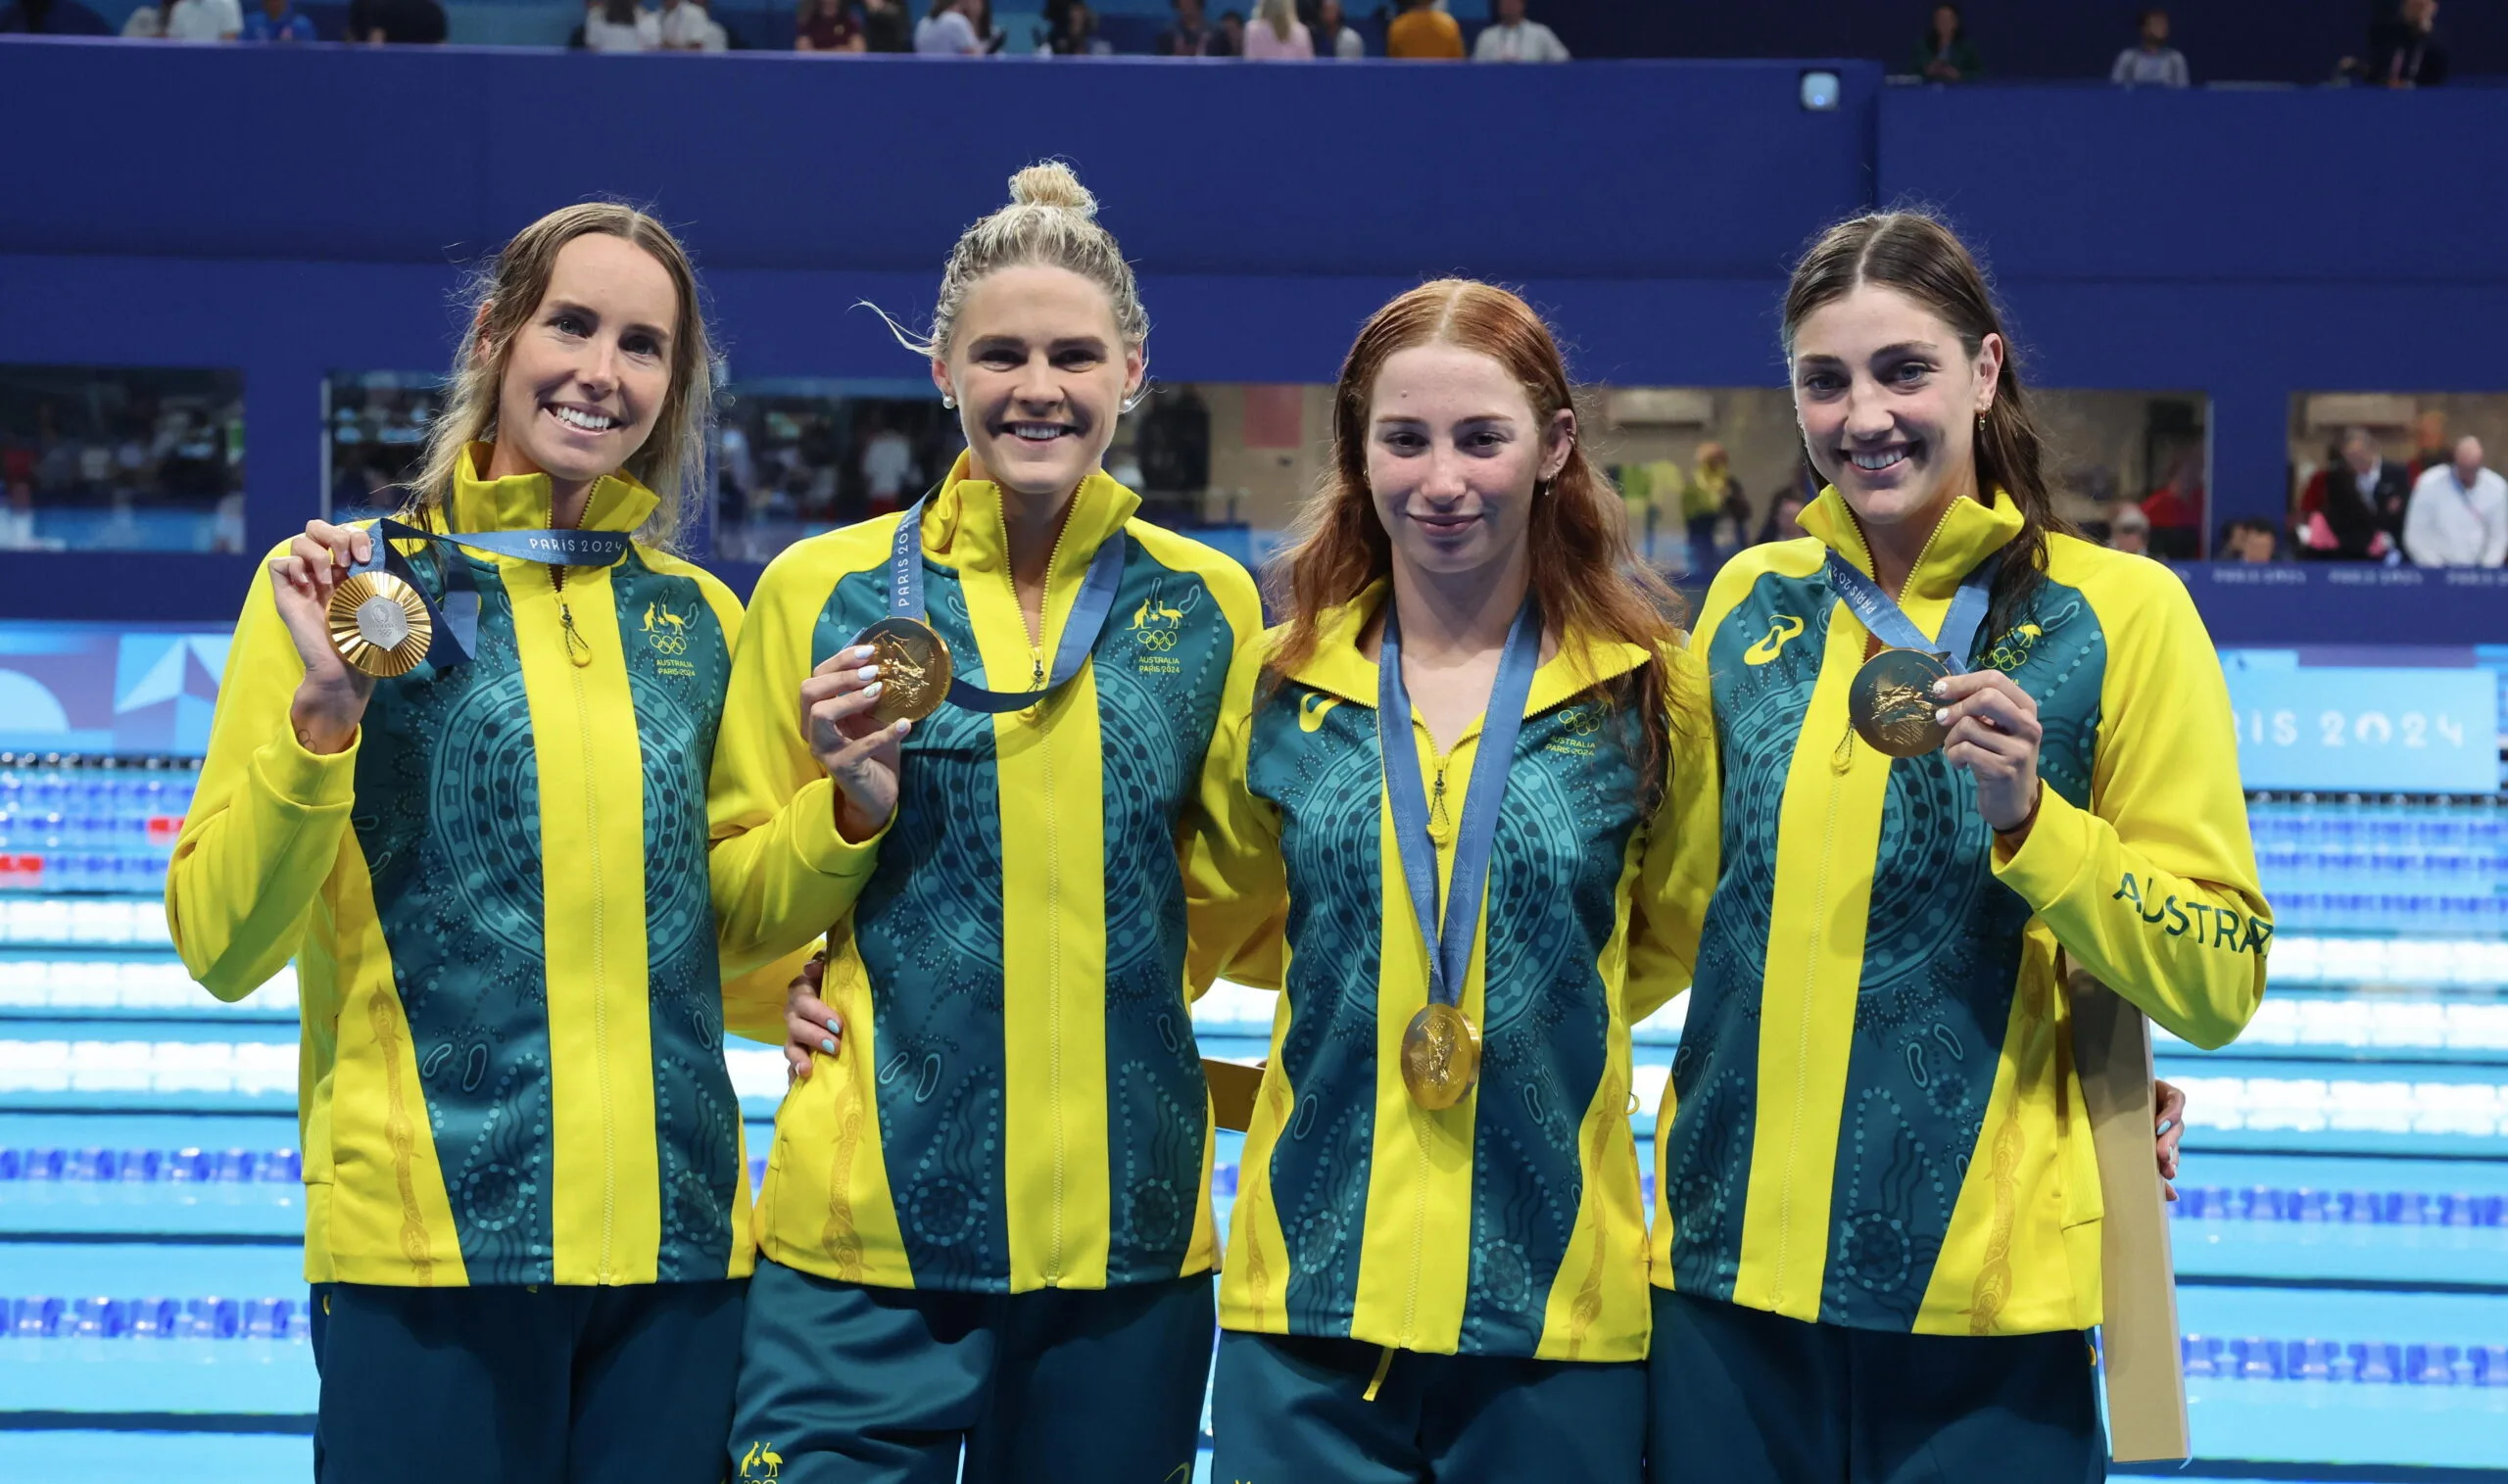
456, 617
1449, 936
1889, 623
1080, 632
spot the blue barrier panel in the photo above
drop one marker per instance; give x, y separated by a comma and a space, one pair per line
2377, 731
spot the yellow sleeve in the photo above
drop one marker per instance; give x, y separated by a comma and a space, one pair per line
2153, 888
782, 875
1678, 874
1236, 886
266, 821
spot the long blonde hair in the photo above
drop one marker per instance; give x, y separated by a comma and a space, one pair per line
1051, 222
1279, 14
503, 298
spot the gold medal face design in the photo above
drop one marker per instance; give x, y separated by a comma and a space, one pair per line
379, 624
1892, 702
1440, 1057
914, 669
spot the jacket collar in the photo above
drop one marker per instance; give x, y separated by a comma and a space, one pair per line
1970, 531
963, 524
524, 502
1341, 668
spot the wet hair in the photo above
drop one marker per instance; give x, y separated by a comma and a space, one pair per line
1919, 257
503, 298
1051, 222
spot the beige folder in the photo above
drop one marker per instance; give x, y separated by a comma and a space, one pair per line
1233, 1085
2138, 1349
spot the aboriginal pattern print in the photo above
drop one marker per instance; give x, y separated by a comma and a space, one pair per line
1161, 671
1563, 837
678, 663
1941, 960
1942, 953
447, 817
928, 925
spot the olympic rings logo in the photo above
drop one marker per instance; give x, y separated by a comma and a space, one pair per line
1161, 640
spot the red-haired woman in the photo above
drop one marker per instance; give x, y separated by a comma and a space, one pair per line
1438, 1268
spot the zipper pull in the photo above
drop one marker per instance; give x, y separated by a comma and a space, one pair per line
1844, 758
578, 647
1440, 827
1037, 668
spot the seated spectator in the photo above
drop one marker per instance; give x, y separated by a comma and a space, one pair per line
146, 23
1275, 34
51, 17
1335, 40
686, 27
277, 21
1946, 55
2364, 505
1706, 497
1509, 37
885, 26
1423, 34
2176, 510
1230, 40
827, 25
2404, 51
17, 518
1190, 35
2248, 540
2459, 513
1074, 34
2130, 531
396, 22
620, 26
2150, 62
949, 31
991, 36
203, 20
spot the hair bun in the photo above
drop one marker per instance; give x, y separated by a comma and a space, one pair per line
1050, 182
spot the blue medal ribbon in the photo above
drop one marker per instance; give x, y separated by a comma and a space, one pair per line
1080, 632
457, 614
1888, 622
1449, 937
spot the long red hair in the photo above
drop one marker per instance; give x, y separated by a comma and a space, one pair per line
1586, 575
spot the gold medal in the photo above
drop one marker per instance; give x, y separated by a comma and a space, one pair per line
379, 624
1440, 1057
914, 669
1892, 702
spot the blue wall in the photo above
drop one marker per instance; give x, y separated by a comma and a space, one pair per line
2203, 242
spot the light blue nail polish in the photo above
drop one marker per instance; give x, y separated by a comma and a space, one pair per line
2166, 1124
833, 1027
828, 1046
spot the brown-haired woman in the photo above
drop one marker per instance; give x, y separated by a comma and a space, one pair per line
526, 1210
1438, 1268
1957, 742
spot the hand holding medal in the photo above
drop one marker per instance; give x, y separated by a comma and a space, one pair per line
1992, 730
307, 584
854, 726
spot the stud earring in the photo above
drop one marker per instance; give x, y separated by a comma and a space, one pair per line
949, 401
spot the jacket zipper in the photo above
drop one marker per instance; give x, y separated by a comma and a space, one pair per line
1053, 869
579, 651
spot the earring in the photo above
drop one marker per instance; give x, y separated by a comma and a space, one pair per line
949, 401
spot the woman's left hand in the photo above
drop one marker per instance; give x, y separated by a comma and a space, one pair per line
1993, 734
2170, 1128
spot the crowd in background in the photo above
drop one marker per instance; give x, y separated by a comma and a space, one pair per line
2402, 47
159, 467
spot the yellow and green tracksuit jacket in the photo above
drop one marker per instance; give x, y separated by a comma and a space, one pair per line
513, 1048
1018, 1103
1511, 1223
1873, 1119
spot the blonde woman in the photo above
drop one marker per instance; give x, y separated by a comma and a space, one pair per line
986, 1233
1275, 34
526, 1206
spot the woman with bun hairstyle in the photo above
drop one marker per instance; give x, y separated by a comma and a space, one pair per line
985, 1231
1963, 752
526, 1201
1439, 1270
